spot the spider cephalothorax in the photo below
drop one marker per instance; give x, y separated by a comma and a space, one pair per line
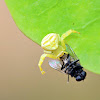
52, 48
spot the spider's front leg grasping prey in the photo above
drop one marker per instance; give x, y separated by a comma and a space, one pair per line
52, 46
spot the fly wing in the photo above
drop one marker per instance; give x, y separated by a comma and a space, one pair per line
56, 64
71, 52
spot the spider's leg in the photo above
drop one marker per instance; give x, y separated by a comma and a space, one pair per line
42, 59
65, 52
65, 35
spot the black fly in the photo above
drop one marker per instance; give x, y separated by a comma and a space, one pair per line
69, 64
72, 68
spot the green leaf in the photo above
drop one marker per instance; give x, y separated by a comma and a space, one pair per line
36, 18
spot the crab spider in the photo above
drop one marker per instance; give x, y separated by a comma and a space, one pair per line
54, 46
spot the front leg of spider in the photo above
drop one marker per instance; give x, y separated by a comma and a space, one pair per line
66, 35
42, 59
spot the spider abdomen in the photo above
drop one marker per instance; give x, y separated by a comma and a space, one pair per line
50, 42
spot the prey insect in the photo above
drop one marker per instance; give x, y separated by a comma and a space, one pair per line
69, 64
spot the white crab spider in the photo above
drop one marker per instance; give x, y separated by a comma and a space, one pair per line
54, 46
